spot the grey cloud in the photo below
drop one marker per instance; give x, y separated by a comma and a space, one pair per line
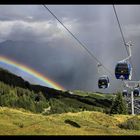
53, 52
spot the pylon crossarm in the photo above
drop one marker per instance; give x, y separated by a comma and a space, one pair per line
131, 84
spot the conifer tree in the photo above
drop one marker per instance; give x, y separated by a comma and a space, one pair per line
119, 105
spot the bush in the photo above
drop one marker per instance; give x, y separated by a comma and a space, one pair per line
72, 123
132, 123
106, 110
19, 124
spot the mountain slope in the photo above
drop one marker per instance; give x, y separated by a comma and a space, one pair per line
17, 81
16, 92
21, 122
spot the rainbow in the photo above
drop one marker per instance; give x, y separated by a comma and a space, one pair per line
30, 71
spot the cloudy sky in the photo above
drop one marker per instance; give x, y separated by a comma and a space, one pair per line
32, 36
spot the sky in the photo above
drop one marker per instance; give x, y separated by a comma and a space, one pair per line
32, 36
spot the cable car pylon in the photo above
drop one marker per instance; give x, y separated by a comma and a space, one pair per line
132, 85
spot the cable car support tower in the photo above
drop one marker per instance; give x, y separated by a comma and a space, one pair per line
130, 84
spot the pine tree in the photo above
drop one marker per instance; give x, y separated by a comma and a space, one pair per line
119, 105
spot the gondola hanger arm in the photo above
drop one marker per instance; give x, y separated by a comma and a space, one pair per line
129, 45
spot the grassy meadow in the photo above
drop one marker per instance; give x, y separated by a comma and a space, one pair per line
21, 122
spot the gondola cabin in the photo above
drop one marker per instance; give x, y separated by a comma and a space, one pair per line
136, 92
124, 93
123, 70
103, 82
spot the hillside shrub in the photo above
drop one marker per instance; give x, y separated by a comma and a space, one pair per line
72, 123
132, 123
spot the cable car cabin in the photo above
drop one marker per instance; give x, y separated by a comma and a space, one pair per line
123, 70
136, 92
103, 82
124, 93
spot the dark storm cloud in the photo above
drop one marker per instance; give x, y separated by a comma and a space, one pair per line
41, 42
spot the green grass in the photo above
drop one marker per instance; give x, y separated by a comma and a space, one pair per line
21, 122
93, 94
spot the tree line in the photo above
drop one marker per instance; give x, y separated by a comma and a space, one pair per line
18, 97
